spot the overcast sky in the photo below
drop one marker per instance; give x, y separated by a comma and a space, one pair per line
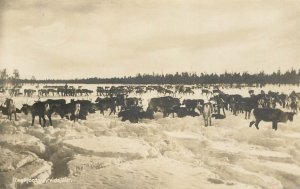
105, 38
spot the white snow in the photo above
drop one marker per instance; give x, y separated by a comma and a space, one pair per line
21, 165
103, 152
22, 142
110, 147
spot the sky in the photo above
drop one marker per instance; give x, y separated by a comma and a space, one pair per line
67, 39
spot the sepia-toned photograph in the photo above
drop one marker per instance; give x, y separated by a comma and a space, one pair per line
149, 94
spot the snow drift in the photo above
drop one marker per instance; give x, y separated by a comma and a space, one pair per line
103, 152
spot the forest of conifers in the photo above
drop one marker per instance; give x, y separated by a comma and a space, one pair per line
289, 77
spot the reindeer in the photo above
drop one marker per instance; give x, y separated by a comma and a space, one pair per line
38, 109
9, 109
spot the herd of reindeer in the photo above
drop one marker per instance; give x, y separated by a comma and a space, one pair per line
266, 106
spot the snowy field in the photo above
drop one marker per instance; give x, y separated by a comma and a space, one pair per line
164, 153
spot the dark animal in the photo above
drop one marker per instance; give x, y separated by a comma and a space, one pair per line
38, 109
251, 92
163, 104
29, 92
188, 90
235, 103
100, 91
43, 92
87, 92
248, 104
206, 92
134, 114
217, 91
131, 114
218, 116
271, 115
191, 104
53, 91
84, 107
168, 92
183, 112
283, 98
66, 110
120, 100
74, 110
146, 115
294, 106
55, 102
105, 104
131, 102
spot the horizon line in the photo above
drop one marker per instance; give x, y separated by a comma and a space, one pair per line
169, 73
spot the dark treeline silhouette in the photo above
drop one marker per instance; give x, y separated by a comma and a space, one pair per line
289, 77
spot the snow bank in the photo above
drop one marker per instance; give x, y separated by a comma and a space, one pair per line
22, 142
111, 147
20, 165
11, 160
81, 162
96, 172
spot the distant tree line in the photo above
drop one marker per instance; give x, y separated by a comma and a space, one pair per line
6, 78
289, 77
